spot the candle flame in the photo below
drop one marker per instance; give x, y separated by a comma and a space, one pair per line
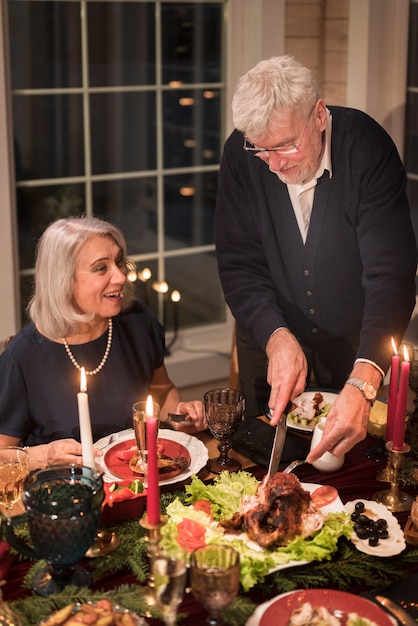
405, 354
175, 296
149, 407
395, 349
83, 380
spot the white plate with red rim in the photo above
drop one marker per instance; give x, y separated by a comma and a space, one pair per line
277, 611
198, 453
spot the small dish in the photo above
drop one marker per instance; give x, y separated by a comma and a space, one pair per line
394, 544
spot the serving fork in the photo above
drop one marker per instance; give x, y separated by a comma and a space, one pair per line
293, 465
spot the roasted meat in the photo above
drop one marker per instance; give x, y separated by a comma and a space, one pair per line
280, 511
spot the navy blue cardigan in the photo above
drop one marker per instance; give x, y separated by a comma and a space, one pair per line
356, 272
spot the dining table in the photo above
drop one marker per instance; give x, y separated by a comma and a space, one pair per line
356, 479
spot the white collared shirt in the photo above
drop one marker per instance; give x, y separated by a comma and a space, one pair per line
302, 196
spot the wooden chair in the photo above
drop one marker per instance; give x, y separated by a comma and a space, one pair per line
233, 382
7, 341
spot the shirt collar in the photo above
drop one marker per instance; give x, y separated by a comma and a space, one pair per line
325, 163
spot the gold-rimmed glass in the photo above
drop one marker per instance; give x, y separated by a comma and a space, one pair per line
14, 469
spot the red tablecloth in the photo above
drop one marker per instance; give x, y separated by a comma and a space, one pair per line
356, 479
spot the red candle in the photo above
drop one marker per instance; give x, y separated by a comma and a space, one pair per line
393, 392
399, 426
153, 488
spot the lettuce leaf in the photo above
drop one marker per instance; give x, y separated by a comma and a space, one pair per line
224, 493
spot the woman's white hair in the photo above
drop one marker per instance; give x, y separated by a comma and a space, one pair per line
274, 88
51, 306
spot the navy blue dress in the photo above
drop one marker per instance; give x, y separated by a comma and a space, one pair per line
39, 383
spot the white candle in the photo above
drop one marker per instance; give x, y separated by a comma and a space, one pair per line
86, 437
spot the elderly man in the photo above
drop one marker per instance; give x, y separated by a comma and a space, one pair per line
316, 251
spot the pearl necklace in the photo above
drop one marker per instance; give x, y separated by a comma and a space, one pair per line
104, 359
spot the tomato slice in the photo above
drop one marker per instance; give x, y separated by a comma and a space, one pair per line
203, 505
191, 534
324, 495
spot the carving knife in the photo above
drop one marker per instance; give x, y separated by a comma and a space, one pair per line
401, 615
278, 443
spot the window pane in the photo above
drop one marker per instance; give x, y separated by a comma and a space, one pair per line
121, 43
189, 209
131, 205
46, 44
192, 127
191, 42
37, 207
196, 277
48, 136
123, 132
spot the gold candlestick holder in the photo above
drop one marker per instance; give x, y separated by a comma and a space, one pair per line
153, 538
385, 475
394, 499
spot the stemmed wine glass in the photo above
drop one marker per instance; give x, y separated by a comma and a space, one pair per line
224, 409
14, 469
214, 576
169, 570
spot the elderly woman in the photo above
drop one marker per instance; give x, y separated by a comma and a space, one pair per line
83, 316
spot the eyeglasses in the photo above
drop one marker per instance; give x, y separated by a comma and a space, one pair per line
263, 153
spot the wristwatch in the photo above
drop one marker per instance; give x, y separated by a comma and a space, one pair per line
368, 390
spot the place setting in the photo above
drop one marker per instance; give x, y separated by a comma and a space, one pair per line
125, 453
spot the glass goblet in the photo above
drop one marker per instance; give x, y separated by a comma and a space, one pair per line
214, 577
224, 410
14, 469
169, 570
63, 506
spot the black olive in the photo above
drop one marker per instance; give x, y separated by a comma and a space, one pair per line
382, 533
363, 520
354, 517
361, 532
381, 523
359, 507
373, 541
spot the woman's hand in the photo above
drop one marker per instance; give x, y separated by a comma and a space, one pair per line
59, 452
195, 420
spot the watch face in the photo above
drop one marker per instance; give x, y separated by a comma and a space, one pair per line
369, 391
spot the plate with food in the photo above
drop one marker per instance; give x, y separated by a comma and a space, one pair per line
180, 456
100, 612
307, 409
329, 607
376, 530
124, 460
273, 524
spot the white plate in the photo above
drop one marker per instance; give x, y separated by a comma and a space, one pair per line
198, 453
329, 398
394, 544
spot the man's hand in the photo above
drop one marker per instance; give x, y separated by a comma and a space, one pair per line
286, 372
346, 424
347, 419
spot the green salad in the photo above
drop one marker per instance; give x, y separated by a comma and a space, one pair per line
195, 524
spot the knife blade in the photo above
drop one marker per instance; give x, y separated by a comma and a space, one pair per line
277, 448
401, 615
